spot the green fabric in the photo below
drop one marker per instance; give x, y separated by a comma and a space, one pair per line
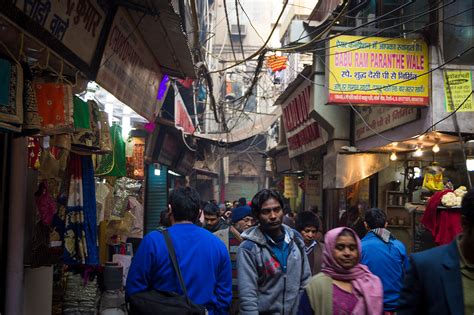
319, 291
114, 164
467, 277
81, 114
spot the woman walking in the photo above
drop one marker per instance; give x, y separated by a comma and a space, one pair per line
344, 286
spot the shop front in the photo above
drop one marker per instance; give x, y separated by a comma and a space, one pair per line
76, 175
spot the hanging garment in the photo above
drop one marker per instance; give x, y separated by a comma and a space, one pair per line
86, 138
443, 224
139, 160
45, 204
136, 208
55, 107
81, 115
11, 95
105, 201
80, 234
114, 164
105, 140
31, 123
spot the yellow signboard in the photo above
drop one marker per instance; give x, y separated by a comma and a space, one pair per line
376, 70
457, 89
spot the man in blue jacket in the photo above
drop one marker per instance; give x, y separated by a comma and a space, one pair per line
202, 258
441, 280
385, 256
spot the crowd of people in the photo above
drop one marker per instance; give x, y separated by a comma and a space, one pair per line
241, 258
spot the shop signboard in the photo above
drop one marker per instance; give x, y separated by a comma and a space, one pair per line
182, 120
129, 69
378, 71
313, 184
382, 119
458, 90
302, 132
72, 28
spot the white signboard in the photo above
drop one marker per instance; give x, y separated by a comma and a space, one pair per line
128, 69
75, 23
381, 119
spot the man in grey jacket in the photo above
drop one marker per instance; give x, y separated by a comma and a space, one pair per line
272, 265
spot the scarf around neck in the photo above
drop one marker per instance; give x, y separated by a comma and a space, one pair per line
383, 234
367, 287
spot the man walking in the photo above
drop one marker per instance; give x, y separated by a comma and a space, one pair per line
307, 224
385, 256
441, 280
202, 258
242, 220
213, 221
272, 265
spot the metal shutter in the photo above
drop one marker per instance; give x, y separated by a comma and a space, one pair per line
156, 197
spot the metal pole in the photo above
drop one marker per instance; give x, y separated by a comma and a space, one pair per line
16, 224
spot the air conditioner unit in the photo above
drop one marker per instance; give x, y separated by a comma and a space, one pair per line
234, 29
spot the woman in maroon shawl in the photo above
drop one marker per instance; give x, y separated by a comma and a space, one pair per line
344, 286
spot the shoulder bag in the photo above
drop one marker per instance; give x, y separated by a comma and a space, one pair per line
164, 302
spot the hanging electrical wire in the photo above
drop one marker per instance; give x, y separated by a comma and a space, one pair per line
404, 34
238, 27
261, 48
228, 29
316, 40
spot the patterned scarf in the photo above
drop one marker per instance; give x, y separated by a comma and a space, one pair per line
383, 234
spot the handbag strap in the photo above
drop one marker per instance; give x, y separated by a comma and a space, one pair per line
169, 245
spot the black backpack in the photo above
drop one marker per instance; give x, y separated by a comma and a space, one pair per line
165, 302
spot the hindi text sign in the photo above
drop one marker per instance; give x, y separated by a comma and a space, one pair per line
129, 69
378, 71
458, 89
382, 119
77, 24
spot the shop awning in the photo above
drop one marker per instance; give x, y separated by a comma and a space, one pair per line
344, 169
161, 29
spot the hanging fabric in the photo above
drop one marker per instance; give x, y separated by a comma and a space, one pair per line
105, 140
31, 123
11, 95
55, 107
80, 234
86, 138
114, 164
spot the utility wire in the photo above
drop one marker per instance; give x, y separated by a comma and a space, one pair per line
250, 20
228, 29
316, 40
391, 38
389, 27
355, 17
238, 27
261, 49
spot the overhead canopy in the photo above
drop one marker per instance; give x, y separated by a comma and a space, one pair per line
345, 169
161, 29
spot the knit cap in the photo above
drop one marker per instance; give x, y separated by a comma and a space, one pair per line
241, 212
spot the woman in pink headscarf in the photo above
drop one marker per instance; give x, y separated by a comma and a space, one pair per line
344, 286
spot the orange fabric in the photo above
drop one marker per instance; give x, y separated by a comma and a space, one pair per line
51, 107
